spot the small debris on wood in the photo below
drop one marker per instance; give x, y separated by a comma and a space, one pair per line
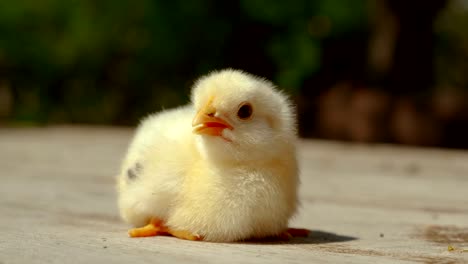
452, 248
413, 168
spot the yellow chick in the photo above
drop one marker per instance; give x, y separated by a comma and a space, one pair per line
222, 168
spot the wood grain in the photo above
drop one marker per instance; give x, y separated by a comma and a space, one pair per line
364, 204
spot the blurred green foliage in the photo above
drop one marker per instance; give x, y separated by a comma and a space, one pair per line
114, 61
296, 47
451, 51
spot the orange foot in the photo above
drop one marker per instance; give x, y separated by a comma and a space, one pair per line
156, 227
298, 232
293, 232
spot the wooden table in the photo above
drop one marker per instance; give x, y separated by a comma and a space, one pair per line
364, 204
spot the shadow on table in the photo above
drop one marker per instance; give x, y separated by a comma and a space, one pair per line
314, 237
320, 237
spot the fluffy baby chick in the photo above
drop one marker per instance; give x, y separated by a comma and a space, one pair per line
222, 168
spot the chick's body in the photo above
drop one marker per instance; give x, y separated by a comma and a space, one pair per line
232, 178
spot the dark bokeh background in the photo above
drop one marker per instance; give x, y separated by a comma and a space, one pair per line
370, 71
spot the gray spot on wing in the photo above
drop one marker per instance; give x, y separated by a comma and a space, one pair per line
133, 172
138, 167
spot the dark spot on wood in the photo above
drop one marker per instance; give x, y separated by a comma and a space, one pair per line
433, 260
104, 247
341, 249
413, 168
446, 234
381, 235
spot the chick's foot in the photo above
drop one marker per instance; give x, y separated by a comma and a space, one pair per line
298, 232
182, 234
293, 232
156, 227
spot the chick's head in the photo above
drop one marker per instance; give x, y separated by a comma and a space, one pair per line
241, 117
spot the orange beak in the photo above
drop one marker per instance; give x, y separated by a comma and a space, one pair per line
206, 123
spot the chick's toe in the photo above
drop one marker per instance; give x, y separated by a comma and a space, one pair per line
292, 233
182, 234
298, 232
154, 228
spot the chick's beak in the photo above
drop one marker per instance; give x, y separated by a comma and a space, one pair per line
206, 122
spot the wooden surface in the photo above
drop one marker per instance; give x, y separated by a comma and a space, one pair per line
364, 204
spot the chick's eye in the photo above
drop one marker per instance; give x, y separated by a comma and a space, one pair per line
245, 111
